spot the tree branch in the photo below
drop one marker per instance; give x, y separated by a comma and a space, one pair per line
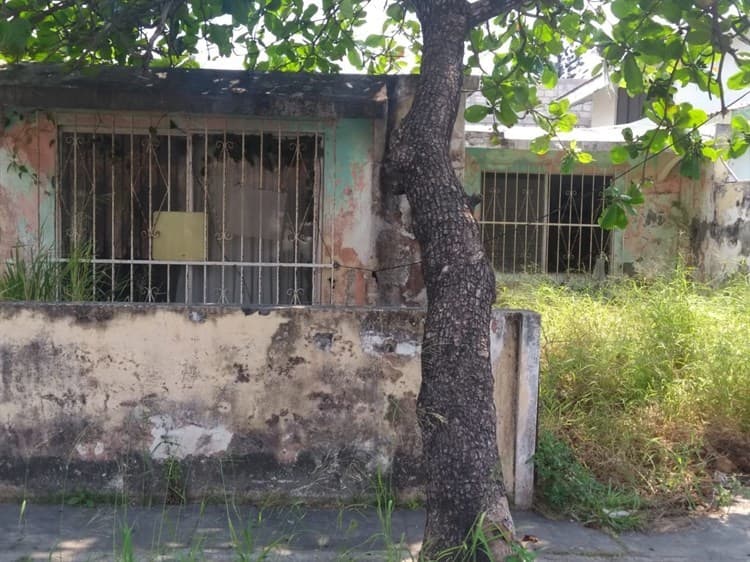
158, 30
483, 10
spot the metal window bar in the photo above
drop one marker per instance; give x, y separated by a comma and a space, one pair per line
205, 209
38, 184
278, 204
169, 201
558, 215
93, 215
189, 208
137, 172
112, 273
132, 209
242, 220
259, 205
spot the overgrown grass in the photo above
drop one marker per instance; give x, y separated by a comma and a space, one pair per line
647, 383
36, 276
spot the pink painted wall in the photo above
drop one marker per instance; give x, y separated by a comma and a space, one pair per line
27, 168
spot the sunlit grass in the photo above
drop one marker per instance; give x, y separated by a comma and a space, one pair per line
648, 383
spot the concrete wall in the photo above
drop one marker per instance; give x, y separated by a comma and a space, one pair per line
720, 230
297, 403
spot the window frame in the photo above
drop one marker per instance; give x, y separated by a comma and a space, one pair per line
604, 177
189, 127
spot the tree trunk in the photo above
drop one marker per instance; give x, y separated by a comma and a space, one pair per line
456, 409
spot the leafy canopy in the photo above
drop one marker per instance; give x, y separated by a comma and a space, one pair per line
649, 47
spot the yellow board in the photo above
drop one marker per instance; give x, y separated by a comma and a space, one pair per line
178, 236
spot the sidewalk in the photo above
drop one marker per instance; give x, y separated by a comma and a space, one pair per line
202, 533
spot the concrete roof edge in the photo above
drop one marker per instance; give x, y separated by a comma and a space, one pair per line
196, 91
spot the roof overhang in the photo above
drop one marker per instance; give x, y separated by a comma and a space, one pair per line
203, 91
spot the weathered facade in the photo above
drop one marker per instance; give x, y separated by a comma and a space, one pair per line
720, 225
263, 291
292, 403
537, 220
655, 237
105, 159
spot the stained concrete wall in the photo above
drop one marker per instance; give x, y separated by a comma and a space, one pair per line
720, 230
296, 403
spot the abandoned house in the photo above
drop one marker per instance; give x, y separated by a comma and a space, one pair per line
249, 300
249, 297
536, 219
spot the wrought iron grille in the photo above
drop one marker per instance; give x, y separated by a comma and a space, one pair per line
199, 215
533, 222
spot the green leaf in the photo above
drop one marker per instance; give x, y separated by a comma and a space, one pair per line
671, 10
375, 41
347, 9
612, 217
710, 152
619, 154
673, 49
354, 58
635, 194
699, 35
476, 113
549, 78
739, 80
738, 147
623, 8
656, 140
521, 95
506, 114
395, 12
540, 145
567, 163
569, 24
543, 32
558, 108
633, 74
740, 123
566, 122
690, 166
584, 157
14, 35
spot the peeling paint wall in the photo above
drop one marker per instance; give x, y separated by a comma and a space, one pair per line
27, 169
657, 237
352, 151
302, 403
351, 226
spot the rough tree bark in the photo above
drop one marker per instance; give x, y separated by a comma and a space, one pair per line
456, 410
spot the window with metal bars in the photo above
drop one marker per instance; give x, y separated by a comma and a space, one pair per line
192, 217
542, 223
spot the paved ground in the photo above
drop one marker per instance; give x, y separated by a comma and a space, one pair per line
207, 533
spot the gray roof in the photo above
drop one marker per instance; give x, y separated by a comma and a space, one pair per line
228, 92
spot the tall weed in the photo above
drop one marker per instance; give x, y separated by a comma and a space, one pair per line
37, 276
647, 382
